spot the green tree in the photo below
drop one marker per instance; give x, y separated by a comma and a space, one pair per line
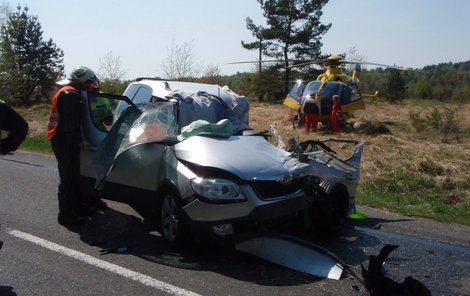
294, 32
268, 85
461, 94
395, 87
26, 59
421, 88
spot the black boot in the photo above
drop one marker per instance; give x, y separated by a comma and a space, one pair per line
85, 210
98, 203
70, 219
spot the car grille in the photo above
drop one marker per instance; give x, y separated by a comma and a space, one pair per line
275, 189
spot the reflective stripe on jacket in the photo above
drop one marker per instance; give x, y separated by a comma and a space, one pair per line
54, 112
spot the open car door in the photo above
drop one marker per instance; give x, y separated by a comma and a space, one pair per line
99, 113
124, 146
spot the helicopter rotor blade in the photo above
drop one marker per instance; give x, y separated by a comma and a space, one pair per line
334, 61
381, 65
268, 61
256, 62
396, 67
305, 64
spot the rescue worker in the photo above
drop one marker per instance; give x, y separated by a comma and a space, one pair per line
15, 125
101, 112
64, 132
336, 115
311, 111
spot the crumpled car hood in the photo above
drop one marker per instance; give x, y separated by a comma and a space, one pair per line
248, 157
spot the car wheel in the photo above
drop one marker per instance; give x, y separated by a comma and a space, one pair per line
330, 207
171, 221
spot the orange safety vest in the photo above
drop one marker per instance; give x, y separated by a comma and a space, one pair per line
54, 113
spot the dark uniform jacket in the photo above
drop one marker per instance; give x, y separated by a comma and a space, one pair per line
64, 117
15, 125
310, 106
70, 106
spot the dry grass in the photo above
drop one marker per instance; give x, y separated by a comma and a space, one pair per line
392, 144
37, 117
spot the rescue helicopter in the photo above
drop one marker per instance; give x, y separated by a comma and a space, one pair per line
333, 81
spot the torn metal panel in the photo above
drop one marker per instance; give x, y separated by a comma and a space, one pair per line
292, 253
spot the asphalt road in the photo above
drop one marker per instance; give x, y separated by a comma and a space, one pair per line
39, 257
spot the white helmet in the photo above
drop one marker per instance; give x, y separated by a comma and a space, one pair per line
81, 74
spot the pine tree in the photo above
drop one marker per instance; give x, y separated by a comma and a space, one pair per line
294, 31
26, 59
395, 87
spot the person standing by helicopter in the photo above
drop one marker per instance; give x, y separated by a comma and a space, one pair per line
336, 115
311, 111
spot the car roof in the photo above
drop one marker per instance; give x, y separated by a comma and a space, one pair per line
161, 87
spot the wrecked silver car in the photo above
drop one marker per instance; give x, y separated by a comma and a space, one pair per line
187, 150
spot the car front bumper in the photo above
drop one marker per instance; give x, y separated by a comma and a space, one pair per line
203, 218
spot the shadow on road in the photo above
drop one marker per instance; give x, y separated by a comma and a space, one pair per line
114, 229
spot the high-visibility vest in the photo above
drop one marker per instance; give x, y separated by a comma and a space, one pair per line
54, 112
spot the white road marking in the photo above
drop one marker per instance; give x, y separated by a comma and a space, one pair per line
136, 276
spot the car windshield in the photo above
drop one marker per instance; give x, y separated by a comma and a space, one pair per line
156, 123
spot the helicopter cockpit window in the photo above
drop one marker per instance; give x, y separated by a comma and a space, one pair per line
297, 90
345, 94
327, 90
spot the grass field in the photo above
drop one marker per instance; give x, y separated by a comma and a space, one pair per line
416, 159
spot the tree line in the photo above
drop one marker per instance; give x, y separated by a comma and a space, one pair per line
444, 82
292, 36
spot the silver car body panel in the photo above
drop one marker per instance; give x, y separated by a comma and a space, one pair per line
292, 253
248, 157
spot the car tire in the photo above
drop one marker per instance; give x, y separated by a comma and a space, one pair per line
330, 207
172, 226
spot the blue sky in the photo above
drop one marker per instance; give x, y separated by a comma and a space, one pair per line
396, 32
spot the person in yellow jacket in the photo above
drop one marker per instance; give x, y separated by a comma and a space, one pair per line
64, 132
100, 108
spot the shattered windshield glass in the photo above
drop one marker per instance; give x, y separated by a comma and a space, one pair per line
138, 124
156, 123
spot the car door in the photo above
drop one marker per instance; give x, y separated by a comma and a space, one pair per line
129, 156
99, 113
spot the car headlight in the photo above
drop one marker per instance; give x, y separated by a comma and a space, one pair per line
217, 190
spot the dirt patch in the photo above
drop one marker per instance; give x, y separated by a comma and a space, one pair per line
370, 128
